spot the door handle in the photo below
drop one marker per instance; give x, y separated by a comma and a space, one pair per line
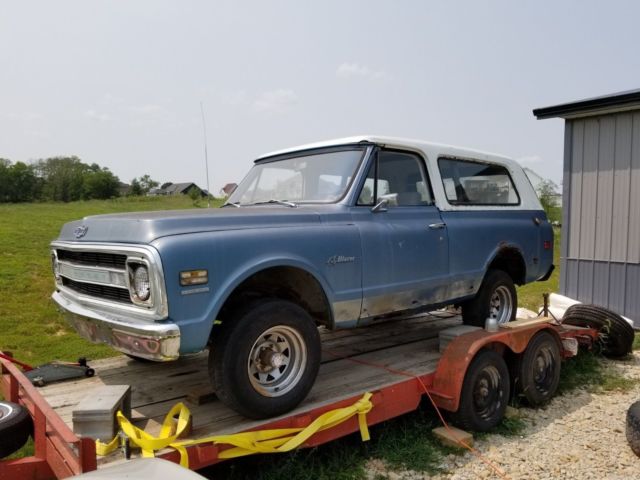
436, 226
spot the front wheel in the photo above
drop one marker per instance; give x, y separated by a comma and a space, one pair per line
264, 362
496, 298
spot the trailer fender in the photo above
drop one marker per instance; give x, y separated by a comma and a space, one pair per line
454, 362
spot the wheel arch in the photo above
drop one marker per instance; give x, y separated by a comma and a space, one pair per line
287, 279
510, 259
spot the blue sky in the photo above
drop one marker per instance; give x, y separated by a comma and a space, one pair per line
120, 83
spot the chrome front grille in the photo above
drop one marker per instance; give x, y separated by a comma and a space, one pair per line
95, 259
97, 274
100, 291
100, 276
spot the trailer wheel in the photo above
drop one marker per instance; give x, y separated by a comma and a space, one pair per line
616, 335
485, 393
539, 369
265, 361
496, 298
15, 427
632, 429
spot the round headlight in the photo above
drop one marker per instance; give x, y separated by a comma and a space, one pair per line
141, 285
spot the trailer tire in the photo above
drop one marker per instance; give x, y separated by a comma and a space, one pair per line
485, 393
264, 362
15, 427
538, 372
497, 297
616, 335
632, 429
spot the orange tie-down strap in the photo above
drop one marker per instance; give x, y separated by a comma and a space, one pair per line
247, 443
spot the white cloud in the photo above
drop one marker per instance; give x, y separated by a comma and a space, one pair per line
354, 70
93, 115
276, 101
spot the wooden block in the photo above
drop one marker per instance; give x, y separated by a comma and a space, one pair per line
201, 395
511, 412
452, 435
527, 321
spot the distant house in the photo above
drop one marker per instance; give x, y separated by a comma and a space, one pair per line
228, 189
181, 189
124, 189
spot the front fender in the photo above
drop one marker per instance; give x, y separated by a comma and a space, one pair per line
230, 257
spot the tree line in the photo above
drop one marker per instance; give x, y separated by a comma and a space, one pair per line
62, 179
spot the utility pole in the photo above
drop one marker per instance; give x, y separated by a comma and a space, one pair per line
206, 157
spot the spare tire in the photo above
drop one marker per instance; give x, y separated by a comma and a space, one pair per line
633, 427
616, 335
15, 427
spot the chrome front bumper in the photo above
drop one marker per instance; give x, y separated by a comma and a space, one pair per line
140, 338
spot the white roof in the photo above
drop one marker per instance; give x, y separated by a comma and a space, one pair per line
421, 145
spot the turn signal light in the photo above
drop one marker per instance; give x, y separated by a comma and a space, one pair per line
193, 277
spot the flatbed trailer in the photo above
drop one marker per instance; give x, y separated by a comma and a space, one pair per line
395, 361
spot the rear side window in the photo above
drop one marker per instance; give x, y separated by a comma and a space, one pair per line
474, 183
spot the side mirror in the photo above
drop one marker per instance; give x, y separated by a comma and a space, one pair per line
381, 206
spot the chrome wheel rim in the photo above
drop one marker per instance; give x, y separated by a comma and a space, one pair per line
501, 305
277, 361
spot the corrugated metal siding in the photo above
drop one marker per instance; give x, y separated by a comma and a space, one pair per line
600, 253
610, 284
633, 252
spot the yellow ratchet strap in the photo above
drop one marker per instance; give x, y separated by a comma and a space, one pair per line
246, 443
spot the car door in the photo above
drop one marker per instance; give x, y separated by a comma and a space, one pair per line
404, 240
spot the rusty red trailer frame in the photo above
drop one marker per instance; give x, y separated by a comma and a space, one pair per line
59, 453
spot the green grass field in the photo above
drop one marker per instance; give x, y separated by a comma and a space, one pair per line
31, 327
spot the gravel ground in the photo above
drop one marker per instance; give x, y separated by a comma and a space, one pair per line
579, 435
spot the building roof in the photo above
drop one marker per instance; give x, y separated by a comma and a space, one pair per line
179, 187
614, 102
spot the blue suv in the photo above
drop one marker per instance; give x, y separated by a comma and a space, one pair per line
339, 233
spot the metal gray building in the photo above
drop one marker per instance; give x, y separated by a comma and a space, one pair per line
600, 252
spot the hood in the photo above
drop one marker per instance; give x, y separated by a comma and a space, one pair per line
144, 227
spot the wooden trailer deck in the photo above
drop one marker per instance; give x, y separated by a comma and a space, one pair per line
409, 345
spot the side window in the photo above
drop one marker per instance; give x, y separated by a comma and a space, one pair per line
398, 177
473, 183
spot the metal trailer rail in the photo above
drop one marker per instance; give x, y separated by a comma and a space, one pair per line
59, 453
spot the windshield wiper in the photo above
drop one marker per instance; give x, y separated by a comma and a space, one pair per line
231, 204
278, 202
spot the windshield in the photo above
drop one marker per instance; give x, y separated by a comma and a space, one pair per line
316, 177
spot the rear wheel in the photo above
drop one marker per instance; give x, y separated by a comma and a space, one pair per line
485, 393
539, 369
496, 298
264, 362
